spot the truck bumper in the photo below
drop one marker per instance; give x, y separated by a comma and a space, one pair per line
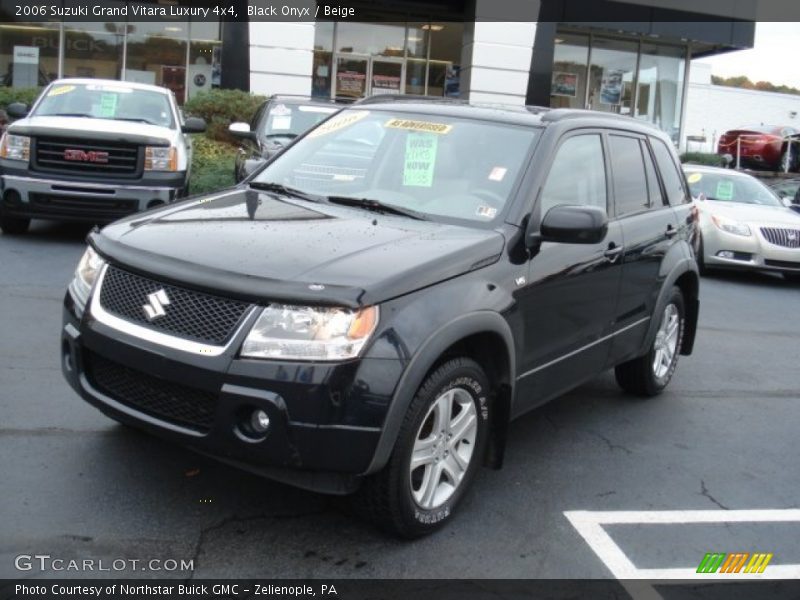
47, 198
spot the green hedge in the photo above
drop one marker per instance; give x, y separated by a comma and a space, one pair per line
220, 108
212, 165
702, 158
8, 95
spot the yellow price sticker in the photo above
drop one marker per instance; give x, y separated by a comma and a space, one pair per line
694, 177
61, 89
422, 126
345, 119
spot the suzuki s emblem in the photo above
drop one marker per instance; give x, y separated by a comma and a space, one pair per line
83, 156
155, 305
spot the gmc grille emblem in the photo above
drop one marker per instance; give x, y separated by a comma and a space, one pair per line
93, 156
155, 305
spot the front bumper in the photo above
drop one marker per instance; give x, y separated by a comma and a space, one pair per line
69, 199
325, 419
753, 252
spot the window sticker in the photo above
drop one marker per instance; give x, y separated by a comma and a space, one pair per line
498, 173
109, 88
345, 119
724, 190
318, 109
280, 111
486, 212
281, 123
61, 89
426, 126
108, 105
420, 159
694, 177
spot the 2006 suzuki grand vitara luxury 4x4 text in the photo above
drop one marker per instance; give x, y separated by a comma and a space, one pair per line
369, 311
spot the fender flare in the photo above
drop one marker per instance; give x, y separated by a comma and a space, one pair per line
421, 362
683, 266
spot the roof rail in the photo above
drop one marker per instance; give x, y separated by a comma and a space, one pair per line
377, 99
559, 114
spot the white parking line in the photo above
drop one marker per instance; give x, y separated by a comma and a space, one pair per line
590, 525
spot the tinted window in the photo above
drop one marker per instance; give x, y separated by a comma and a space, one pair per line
653, 189
578, 174
671, 176
630, 183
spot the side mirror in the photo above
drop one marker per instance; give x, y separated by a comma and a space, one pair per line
241, 130
194, 125
17, 110
572, 224
787, 202
252, 165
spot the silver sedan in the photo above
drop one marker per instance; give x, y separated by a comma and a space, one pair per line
743, 224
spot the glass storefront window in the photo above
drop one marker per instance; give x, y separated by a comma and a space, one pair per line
415, 76
28, 54
157, 55
322, 66
93, 50
445, 40
570, 57
660, 86
205, 50
611, 75
374, 39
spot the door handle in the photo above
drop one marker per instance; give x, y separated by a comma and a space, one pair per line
613, 252
671, 231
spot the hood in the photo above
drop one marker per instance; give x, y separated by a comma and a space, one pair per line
752, 214
259, 246
101, 129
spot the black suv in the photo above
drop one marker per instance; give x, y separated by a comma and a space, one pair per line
370, 310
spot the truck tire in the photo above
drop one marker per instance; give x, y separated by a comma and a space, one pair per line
444, 431
648, 375
13, 225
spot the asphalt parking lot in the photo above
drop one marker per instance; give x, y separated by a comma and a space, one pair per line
722, 438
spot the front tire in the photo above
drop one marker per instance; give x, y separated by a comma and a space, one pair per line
13, 225
648, 375
439, 448
792, 277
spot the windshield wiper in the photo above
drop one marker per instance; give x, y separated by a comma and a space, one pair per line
69, 115
279, 188
287, 135
378, 206
135, 120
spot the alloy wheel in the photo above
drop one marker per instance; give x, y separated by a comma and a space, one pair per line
666, 343
443, 448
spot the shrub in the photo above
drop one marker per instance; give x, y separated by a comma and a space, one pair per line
220, 108
9, 95
212, 165
702, 158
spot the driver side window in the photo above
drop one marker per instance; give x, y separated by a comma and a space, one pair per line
577, 175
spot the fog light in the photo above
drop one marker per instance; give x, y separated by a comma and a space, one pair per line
259, 421
725, 254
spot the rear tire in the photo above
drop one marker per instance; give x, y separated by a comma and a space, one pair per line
648, 375
444, 431
13, 225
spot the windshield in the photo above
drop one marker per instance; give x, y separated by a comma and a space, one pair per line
106, 101
730, 188
290, 120
435, 165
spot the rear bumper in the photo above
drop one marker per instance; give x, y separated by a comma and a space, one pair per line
325, 419
61, 199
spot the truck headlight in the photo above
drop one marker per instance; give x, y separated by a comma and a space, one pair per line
731, 226
160, 158
310, 333
85, 276
15, 147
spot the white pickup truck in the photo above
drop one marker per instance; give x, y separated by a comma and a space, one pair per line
93, 150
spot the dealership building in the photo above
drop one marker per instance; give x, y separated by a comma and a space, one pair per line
628, 58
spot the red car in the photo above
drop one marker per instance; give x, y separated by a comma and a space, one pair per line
763, 146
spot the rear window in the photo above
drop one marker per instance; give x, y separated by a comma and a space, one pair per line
670, 174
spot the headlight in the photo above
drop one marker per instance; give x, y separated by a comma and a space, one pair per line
730, 226
310, 333
160, 158
15, 147
85, 275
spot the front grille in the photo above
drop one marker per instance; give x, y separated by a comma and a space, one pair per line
186, 314
172, 402
788, 238
82, 206
93, 158
783, 264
